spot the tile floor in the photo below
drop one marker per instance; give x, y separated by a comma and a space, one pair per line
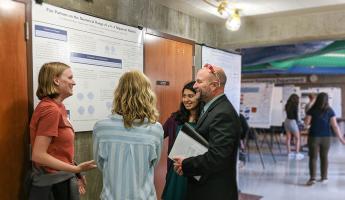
285, 179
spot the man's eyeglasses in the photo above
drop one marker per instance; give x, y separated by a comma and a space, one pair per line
211, 69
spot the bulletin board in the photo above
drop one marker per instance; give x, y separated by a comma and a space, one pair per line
334, 97
277, 114
98, 51
231, 64
256, 104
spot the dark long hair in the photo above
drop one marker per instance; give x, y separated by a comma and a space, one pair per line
321, 102
182, 115
292, 102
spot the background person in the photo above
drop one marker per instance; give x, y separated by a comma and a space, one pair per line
127, 145
291, 126
220, 126
52, 135
312, 98
321, 118
190, 108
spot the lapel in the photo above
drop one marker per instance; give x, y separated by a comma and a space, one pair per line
204, 116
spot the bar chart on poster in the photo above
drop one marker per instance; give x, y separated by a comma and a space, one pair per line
231, 63
98, 51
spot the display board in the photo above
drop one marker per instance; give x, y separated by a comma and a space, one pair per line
256, 104
98, 51
334, 98
231, 63
277, 114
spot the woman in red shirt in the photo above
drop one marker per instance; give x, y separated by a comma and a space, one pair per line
52, 136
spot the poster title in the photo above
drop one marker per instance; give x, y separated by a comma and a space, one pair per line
90, 20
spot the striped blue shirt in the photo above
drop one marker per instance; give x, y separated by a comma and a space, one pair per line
127, 158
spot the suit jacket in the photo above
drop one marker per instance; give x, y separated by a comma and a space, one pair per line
221, 127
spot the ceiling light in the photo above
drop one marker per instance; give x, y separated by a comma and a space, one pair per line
232, 13
233, 23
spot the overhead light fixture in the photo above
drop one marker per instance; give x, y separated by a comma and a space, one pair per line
233, 22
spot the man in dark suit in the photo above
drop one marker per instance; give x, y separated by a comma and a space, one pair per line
220, 126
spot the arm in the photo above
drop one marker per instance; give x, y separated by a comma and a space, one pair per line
158, 144
97, 153
224, 132
40, 155
307, 121
336, 129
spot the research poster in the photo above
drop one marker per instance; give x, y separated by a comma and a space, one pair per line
231, 63
334, 98
256, 104
98, 51
278, 114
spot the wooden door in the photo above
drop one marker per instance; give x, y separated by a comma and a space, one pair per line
171, 62
169, 65
13, 99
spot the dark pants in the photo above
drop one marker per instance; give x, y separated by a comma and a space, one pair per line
59, 191
318, 145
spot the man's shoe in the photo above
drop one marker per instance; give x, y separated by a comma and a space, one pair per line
310, 182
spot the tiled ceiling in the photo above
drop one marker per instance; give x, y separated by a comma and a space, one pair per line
202, 10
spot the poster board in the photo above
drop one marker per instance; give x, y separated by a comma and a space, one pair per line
256, 104
334, 98
98, 51
277, 114
231, 64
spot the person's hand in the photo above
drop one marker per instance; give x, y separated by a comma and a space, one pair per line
342, 140
306, 127
86, 166
178, 164
82, 185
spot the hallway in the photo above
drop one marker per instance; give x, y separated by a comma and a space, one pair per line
285, 180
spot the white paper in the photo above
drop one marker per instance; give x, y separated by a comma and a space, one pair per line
231, 64
187, 147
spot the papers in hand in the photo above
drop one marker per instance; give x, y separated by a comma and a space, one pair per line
188, 143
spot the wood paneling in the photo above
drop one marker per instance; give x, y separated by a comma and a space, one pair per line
13, 99
171, 61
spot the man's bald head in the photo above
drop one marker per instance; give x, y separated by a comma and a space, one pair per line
215, 73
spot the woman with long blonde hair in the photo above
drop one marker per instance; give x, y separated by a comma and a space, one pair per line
127, 145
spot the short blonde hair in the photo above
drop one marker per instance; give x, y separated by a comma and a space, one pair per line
46, 86
134, 99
